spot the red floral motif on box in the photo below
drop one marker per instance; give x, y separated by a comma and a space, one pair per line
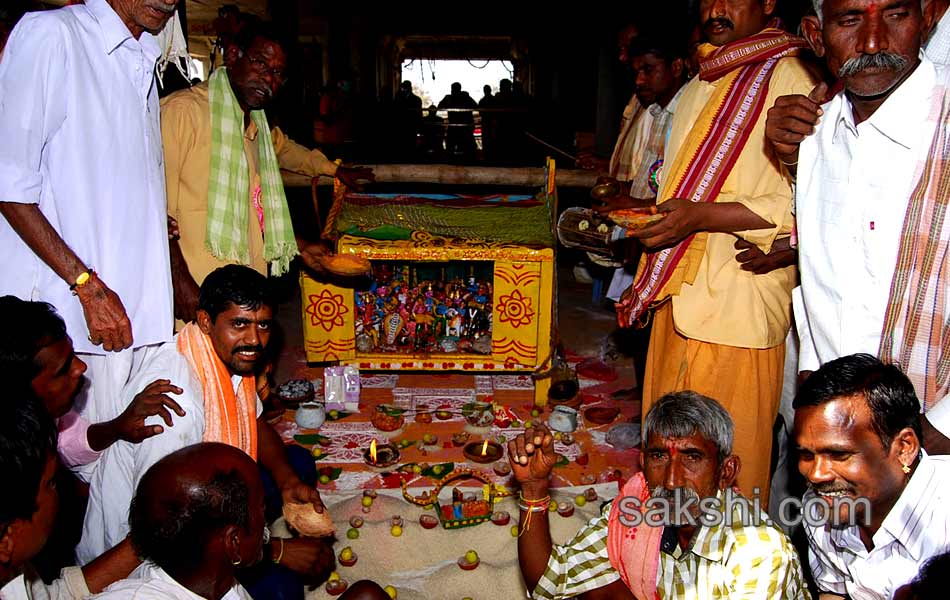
326, 309
515, 309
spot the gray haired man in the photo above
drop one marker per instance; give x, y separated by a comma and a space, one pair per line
706, 540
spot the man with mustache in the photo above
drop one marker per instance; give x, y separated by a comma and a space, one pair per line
222, 168
857, 426
870, 200
719, 319
706, 550
213, 362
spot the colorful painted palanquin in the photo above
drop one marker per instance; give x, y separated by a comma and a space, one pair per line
514, 232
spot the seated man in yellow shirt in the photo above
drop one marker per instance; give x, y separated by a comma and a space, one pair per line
223, 179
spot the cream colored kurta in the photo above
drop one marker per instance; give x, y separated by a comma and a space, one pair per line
186, 137
724, 304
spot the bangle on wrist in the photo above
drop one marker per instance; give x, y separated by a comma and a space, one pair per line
81, 280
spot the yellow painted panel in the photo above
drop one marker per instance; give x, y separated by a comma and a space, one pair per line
328, 330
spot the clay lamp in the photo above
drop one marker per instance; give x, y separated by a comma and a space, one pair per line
483, 452
381, 455
336, 586
469, 561
500, 517
428, 521
347, 557
502, 469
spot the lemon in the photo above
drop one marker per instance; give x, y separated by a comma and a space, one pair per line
580, 500
317, 452
352, 533
471, 557
391, 591
396, 531
367, 501
552, 506
334, 576
514, 531
346, 554
324, 479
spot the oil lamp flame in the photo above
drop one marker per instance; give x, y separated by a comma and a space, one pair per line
372, 451
485, 448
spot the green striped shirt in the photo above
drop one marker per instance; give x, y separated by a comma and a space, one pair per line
723, 561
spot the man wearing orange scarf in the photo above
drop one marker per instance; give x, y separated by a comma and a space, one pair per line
214, 361
703, 547
719, 327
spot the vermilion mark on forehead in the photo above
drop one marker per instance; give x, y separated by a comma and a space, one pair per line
671, 449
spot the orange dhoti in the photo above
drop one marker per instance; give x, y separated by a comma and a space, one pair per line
746, 381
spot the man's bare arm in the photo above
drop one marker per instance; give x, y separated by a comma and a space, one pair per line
111, 566
31, 225
105, 316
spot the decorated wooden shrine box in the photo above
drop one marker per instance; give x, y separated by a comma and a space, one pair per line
458, 283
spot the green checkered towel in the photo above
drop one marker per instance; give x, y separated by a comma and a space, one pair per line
228, 194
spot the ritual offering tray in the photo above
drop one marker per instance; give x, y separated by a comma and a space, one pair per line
636, 218
456, 283
346, 265
294, 392
601, 415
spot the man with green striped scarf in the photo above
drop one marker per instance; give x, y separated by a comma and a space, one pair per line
223, 179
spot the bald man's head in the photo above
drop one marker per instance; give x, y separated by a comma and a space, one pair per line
199, 507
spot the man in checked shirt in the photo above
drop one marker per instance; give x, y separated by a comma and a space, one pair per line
718, 546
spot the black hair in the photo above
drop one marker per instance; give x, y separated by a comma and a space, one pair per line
31, 326
27, 439
174, 532
888, 392
234, 284
932, 580
252, 27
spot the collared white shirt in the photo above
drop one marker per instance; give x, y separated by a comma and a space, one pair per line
151, 582
915, 529
854, 183
123, 464
15, 589
80, 137
937, 47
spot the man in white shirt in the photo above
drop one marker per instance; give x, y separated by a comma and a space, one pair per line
213, 362
856, 175
937, 47
857, 426
82, 187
